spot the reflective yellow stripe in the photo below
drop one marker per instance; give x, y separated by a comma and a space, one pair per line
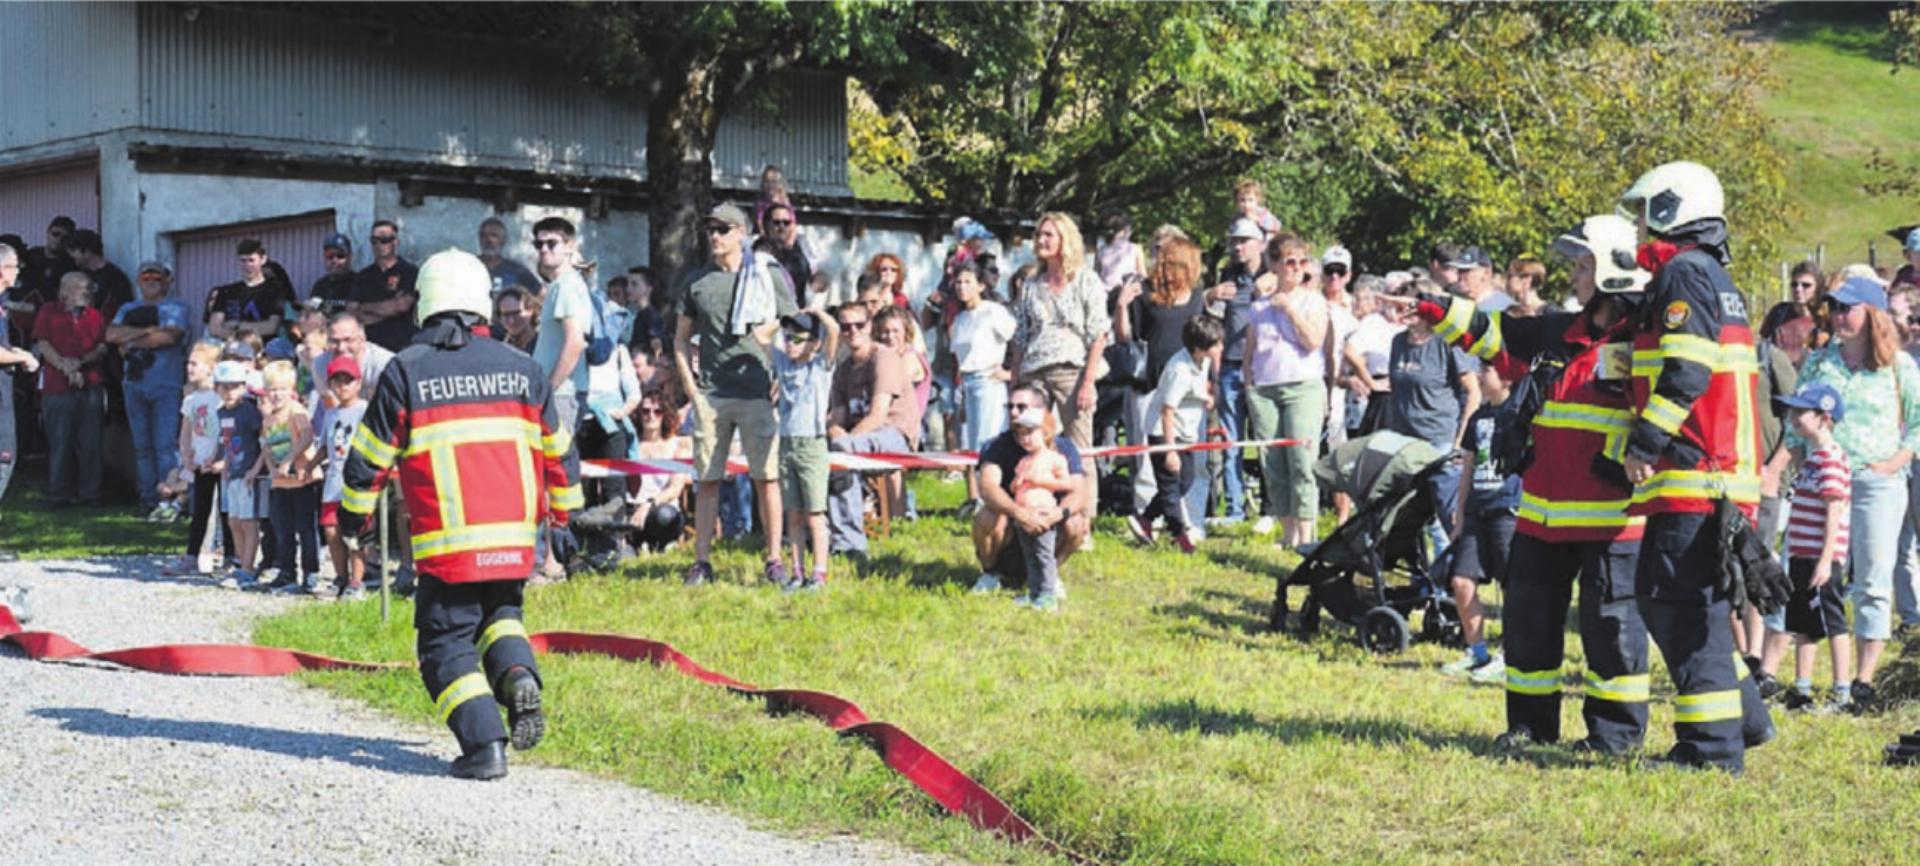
1555, 414
468, 431
1629, 689
1707, 707
1459, 317
357, 501
529, 481
1616, 448
1717, 358
1533, 682
369, 446
1691, 484
478, 537
556, 444
1746, 437
566, 498
1600, 513
447, 489
1664, 414
1491, 343
501, 628
461, 691
1740, 670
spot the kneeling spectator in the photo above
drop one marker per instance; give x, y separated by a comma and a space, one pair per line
657, 520
1043, 532
872, 409
1486, 534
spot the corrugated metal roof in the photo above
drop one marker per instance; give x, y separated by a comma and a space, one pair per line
805, 133
30, 200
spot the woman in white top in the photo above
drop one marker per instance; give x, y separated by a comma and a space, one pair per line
1285, 373
980, 335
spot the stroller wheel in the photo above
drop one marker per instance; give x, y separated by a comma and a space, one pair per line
1440, 623
1383, 630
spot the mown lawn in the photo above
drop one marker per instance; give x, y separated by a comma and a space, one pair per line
1838, 103
34, 531
1151, 721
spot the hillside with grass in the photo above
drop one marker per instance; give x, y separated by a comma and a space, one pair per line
1839, 103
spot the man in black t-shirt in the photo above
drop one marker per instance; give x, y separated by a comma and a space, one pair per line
44, 266
335, 287
993, 525
383, 293
255, 303
111, 287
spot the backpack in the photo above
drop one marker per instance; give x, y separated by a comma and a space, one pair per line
600, 340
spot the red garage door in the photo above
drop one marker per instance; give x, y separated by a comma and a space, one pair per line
204, 258
31, 197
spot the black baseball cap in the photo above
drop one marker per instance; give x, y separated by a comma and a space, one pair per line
803, 322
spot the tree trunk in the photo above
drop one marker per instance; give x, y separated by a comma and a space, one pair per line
682, 121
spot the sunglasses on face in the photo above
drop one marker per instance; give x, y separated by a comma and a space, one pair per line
651, 412
855, 326
719, 229
1336, 270
798, 337
547, 244
1808, 286
1838, 308
384, 239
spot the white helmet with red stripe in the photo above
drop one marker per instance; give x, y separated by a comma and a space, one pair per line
453, 280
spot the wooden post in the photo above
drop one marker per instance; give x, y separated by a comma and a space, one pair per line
886, 504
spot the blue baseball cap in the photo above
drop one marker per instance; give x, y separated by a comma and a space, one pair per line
338, 241
1817, 396
1860, 290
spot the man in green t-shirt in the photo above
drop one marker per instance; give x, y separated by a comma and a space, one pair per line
732, 385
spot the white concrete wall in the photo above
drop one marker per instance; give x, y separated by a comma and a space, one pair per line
617, 242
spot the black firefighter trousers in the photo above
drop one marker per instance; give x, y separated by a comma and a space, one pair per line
470, 636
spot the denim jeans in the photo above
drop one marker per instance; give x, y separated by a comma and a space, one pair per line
847, 508
736, 506
1232, 406
985, 402
1906, 572
1879, 508
73, 421
153, 417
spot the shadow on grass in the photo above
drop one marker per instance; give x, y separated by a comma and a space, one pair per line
919, 573
1190, 716
374, 753
1231, 612
138, 569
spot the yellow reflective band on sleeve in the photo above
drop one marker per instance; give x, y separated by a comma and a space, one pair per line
1491, 343
1740, 669
464, 689
1533, 682
481, 536
1555, 414
1629, 689
556, 444
1692, 484
1664, 414
376, 452
566, 498
357, 501
1707, 707
1616, 448
469, 431
1717, 358
501, 628
1458, 319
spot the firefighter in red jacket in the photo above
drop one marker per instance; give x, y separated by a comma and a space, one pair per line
468, 426
1694, 441
1573, 518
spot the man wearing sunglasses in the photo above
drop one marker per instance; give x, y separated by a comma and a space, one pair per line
732, 389
40, 273
335, 287
784, 243
383, 292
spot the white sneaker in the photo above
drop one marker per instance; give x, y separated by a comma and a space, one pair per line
1493, 672
987, 583
1196, 534
1264, 526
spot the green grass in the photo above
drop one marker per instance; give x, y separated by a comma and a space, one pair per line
1838, 103
1151, 721
35, 531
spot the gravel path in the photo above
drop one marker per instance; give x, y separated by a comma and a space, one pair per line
105, 765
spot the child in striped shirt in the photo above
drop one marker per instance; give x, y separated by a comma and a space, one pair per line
1817, 524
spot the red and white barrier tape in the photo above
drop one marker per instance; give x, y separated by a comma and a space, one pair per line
899, 750
891, 461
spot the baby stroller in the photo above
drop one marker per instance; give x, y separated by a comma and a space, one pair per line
1373, 572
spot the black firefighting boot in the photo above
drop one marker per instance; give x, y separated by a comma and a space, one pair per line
484, 763
521, 690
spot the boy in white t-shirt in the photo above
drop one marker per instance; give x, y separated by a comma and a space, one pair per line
1177, 411
199, 449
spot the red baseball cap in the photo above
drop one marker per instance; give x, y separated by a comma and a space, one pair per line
343, 365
